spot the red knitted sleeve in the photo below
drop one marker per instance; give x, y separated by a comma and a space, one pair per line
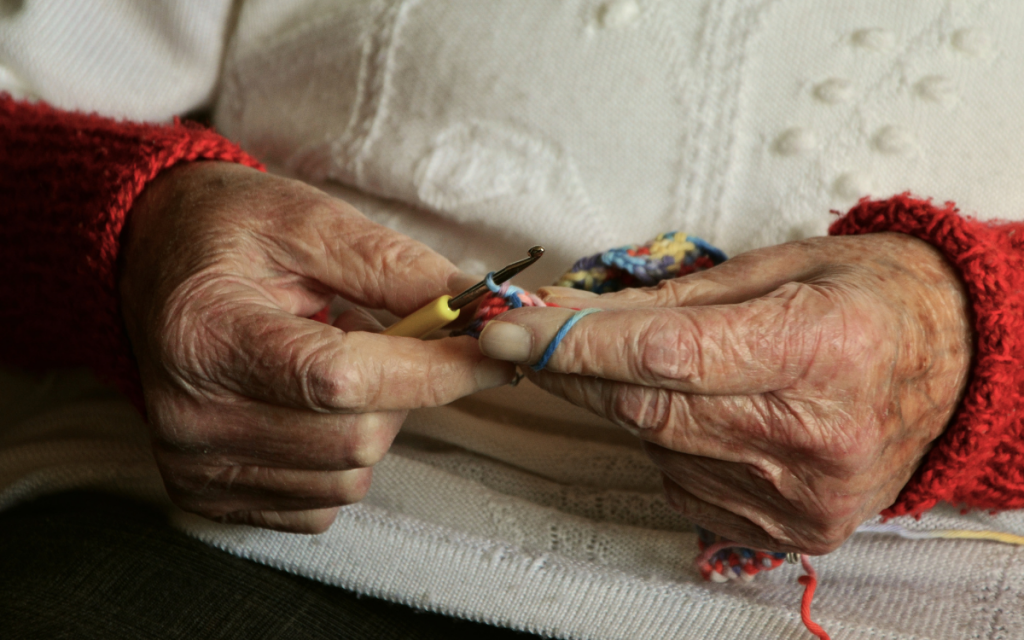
67, 182
979, 461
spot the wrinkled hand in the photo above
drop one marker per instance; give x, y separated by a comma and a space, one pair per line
259, 415
786, 395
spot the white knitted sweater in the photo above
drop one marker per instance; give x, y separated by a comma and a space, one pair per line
485, 127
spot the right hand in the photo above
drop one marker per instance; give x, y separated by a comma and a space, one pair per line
786, 395
258, 414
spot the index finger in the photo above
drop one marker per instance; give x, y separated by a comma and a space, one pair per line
753, 347
368, 263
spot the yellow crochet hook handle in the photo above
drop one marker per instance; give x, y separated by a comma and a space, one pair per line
425, 320
445, 309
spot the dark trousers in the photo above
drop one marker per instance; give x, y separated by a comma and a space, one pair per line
89, 565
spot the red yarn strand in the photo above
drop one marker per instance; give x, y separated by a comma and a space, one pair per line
810, 582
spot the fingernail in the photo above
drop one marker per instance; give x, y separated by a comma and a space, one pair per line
493, 373
506, 341
564, 292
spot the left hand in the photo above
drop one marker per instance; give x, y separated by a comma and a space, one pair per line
786, 395
259, 415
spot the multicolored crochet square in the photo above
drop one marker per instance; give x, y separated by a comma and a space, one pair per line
670, 255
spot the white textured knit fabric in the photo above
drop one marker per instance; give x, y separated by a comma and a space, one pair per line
588, 124
483, 128
136, 60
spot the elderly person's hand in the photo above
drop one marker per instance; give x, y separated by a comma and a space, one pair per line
259, 415
786, 395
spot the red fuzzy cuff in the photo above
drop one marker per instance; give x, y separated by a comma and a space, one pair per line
979, 461
67, 182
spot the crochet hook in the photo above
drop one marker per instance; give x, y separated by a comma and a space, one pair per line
445, 309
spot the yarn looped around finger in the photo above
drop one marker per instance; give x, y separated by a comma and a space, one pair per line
557, 340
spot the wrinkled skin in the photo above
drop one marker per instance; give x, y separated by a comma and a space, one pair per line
786, 395
259, 415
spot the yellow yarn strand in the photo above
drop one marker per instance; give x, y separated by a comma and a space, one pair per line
996, 536
946, 534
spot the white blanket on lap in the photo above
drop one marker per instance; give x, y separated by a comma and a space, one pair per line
483, 128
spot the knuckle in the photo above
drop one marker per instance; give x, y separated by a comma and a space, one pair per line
845, 448
824, 540
635, 407
395, 253
192, 502
198, 483
669, 293
366, 451
667, 352
851, 452
829, 508
808, 320
386, 252
327, 387
660, 354
864, 331
353, 486
825, 525
318, 522
276, 520
627, 407
325, 490
838, 440
309, 521
446, 385
834, 328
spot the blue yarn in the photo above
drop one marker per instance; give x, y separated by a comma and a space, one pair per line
513, 300
717, 255
550, 351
